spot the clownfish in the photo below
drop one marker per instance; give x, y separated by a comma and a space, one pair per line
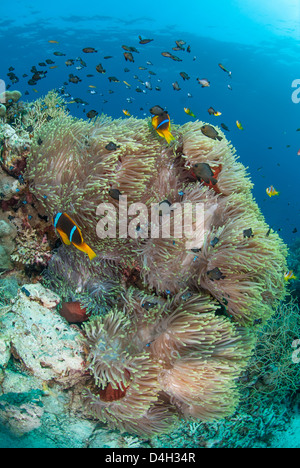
289, 275
71, 234
161, 124
271, 191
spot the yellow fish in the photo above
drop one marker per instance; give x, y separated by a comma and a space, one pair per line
92, 86
71, 234
127, 84
289, 275
271, 191
162, 124
189, 112
53, 42
126, 112
239, 125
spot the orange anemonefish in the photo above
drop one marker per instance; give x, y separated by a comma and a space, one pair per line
271, 191
71, 234
161, 124
289, 275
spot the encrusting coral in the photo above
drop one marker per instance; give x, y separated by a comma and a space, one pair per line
182, 324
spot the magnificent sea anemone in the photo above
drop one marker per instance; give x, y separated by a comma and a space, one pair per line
181, 312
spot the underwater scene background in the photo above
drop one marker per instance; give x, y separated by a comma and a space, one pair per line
143, 343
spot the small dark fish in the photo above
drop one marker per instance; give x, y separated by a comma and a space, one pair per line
49, 62
195, 250
69, 62
80, 101
149, 305
268, 233
114, 79
108, 57
225, 127
115, 194
151, 72
176, 86
211, 132
176, 59
40, 141
215, 274
294, 230
59, 54
144, 41
157, 110
130, 49
247, 233
91, 114
74, 79
42, 64
111, 146
184, 75
100, 69
203, 172
214, 241
29, 129
180, 42
211, 111
188, 49
171, 56
128, 56
11, 69
89, 50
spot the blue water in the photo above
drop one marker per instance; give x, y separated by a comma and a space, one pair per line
257, 41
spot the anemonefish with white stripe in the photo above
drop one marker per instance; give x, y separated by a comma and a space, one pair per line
161, 123
71, 234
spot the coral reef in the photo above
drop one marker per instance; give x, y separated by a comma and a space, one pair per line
7, 99
8, 234
294, 264
15, 149
172, 319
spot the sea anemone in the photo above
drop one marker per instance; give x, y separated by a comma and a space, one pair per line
126, 379
174, 316
94, 285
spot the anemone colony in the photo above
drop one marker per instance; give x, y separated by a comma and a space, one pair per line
171, 328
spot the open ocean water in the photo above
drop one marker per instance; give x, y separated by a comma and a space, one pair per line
256, 42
